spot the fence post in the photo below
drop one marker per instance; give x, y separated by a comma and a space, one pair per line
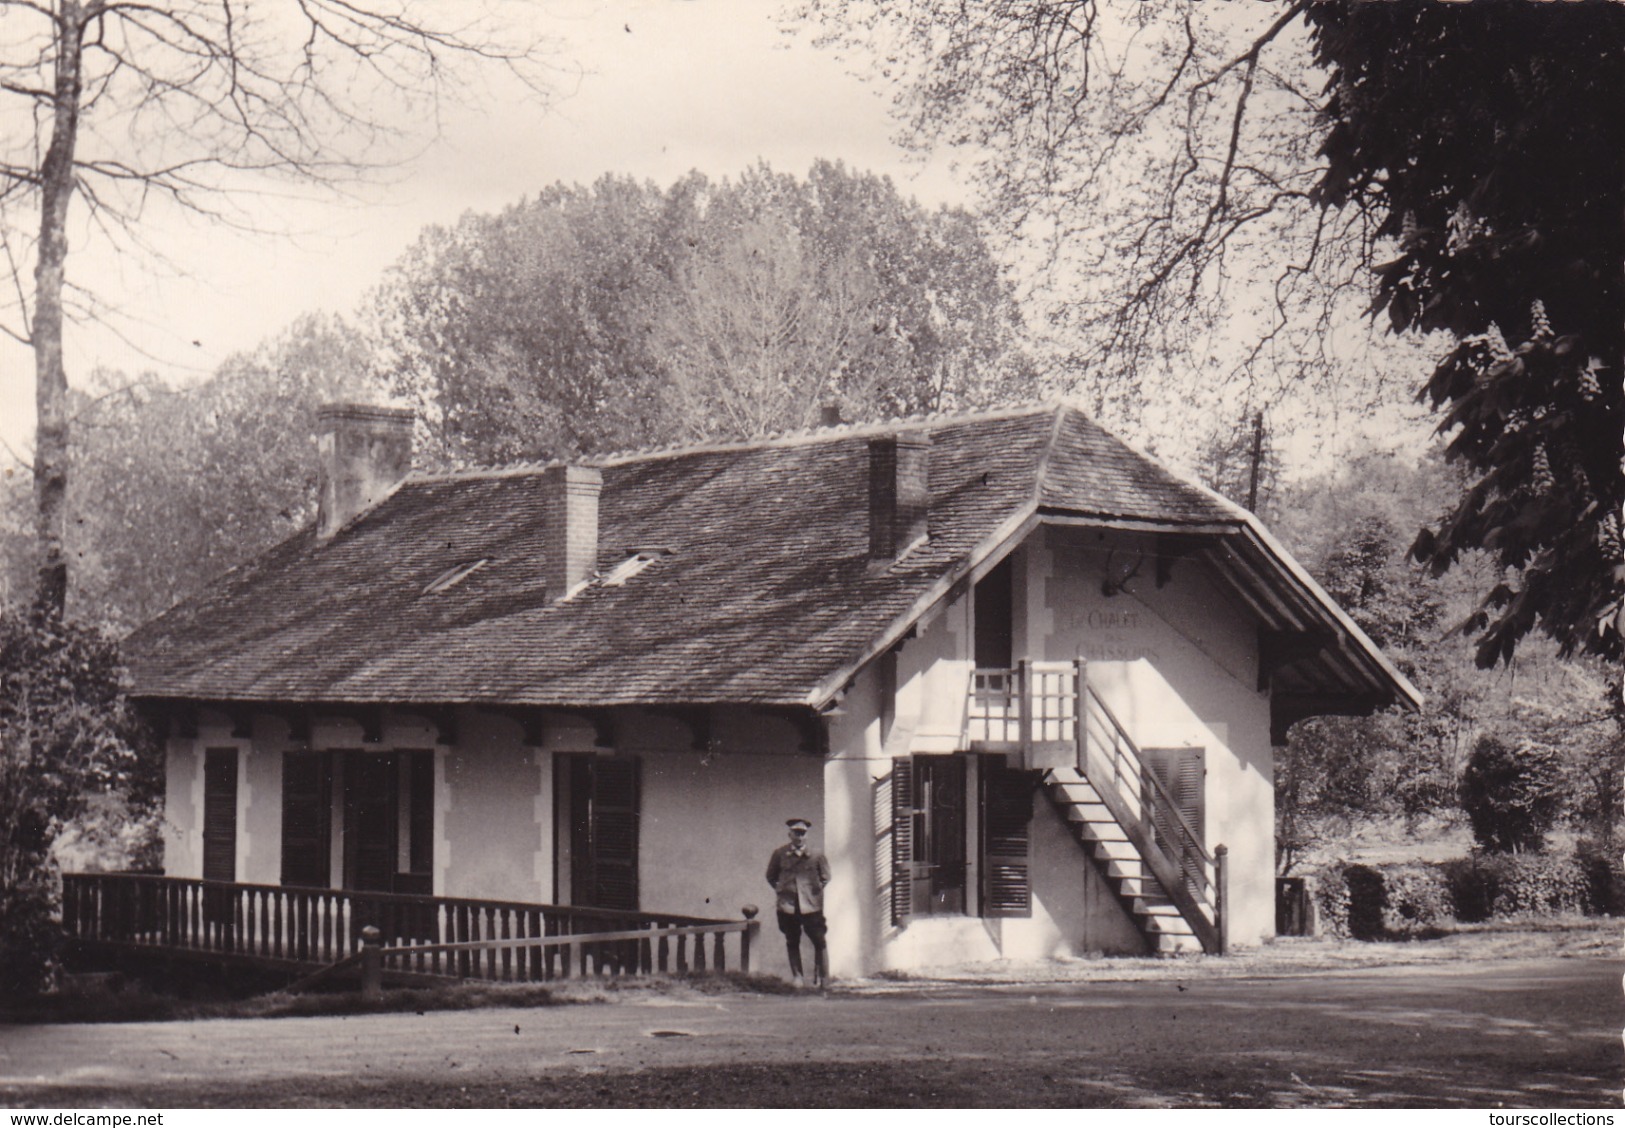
746, 937
1024, 700
372, 963
1080, 720
1221, 885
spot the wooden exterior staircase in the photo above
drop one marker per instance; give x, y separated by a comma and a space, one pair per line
1159, 920
1118, 808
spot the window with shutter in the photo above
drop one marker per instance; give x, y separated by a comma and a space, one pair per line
615, 833
939, 834
1007, 809
307, 816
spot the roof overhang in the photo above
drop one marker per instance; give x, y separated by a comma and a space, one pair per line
1313, 658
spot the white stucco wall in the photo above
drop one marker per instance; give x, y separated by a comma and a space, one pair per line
1074, 912
709, 825
183, 808
490, 841
1178, 663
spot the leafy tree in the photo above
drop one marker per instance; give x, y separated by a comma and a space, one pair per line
1511, 796
1393, 763
66, 735
129, 107
525, 333
176, 485
621, 315
1166, 153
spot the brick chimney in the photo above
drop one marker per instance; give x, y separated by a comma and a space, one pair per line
569, 526
899, 492
364, 452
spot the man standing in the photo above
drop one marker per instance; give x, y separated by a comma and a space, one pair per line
798, 876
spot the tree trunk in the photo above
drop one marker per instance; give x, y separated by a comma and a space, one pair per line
51, 453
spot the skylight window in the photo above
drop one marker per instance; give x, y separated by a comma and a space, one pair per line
453, 576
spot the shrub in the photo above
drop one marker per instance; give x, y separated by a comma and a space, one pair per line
1393, 902
1331, 896
1605, 876
1542, 885
1511, 797
66, 734
1381, 902
30, 941
1418, 900
1475, 886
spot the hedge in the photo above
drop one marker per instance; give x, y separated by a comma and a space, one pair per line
1418, 899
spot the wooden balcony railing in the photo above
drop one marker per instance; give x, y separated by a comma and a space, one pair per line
1033, 705
466, 938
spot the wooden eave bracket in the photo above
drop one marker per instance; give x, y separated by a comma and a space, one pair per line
1287, 709
532, 724
1279, 649
697, 719
442, 718
812, 728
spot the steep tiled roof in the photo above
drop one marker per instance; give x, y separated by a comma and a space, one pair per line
766, 593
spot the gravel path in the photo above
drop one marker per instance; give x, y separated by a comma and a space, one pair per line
1538, 1033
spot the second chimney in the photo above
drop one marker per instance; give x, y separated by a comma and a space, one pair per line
364, 452
899, 492
569, 526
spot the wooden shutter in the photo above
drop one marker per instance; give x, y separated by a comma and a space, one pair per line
307, 818
1007, 811
902, 841
370, 822
420, 814
614, 832
1181, 771
220, 814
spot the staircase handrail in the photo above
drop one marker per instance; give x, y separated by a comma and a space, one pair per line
1165, 800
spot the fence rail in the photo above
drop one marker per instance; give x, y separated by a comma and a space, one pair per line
438, 936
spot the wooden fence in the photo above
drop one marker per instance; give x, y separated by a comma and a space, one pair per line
429, 936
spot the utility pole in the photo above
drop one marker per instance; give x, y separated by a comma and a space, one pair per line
1258, 458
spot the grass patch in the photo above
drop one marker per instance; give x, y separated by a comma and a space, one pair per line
137, 1003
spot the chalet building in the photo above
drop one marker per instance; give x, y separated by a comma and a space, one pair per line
1024, 681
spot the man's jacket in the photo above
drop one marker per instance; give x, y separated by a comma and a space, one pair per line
798, 877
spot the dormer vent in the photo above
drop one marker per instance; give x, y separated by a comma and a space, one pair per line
569, 527
899, 492
451, 577
637, 560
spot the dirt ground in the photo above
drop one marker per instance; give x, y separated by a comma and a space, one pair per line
1468, 1029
